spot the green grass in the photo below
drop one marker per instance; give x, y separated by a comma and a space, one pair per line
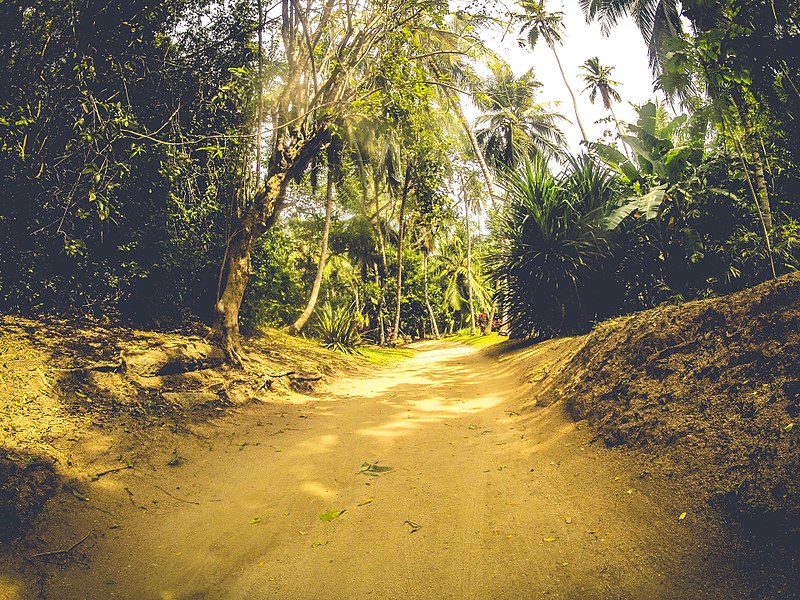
384, 356
478, 341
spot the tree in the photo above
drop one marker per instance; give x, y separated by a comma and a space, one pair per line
549, 26
330, 190
427, 242
552, 241
118, 125
657, 20
450, 268
598, 81
512, 124
450, 53
327, 54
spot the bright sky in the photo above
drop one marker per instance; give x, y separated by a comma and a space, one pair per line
624, 50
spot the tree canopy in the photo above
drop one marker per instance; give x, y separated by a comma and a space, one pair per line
369, 171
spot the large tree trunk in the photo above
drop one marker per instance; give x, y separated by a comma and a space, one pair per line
571, 94
767, 239
758, 188
236, 270
291, 157
295, 327
400, 238
487, 329
761, 180
752, 148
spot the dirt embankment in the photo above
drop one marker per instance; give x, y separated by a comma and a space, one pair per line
80, 401
710, 390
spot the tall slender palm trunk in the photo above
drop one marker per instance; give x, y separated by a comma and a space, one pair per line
455, 104
434, 325
619, 132
295, 327
488, 180
378, 280
571, 93
381, 304
400, 238
472, 329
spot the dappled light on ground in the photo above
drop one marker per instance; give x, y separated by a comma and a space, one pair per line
428, 479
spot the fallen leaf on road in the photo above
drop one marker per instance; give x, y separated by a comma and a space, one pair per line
77, 494
682, 517
373, 470
549, 539
414, 526
330, 514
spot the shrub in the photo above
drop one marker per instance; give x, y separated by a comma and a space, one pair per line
337, 329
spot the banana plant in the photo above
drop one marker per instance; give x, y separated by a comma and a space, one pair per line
664, 156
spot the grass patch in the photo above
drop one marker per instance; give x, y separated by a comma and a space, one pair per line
384, 356
479, 341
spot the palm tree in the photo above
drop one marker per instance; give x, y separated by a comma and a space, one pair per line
657, 20
550, 27
598, 81
513, 124
427, 243
301, 320
455, 273
451, 48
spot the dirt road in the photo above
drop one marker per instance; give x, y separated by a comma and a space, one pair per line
481, 502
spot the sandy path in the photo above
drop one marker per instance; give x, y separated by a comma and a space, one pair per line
507, 507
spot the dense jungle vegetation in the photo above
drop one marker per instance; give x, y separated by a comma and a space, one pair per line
315, 165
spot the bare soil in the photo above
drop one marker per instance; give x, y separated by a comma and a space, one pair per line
442, 476
79, 402
710, 391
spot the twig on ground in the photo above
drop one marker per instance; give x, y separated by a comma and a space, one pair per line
311, 378
175, 497
97, 476
100, 367
64, 551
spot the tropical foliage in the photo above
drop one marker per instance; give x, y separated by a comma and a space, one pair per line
319, 167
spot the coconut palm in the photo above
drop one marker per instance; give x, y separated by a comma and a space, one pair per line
513, 124
657, 20
455, 273
598, 82
549, 26
453, 51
